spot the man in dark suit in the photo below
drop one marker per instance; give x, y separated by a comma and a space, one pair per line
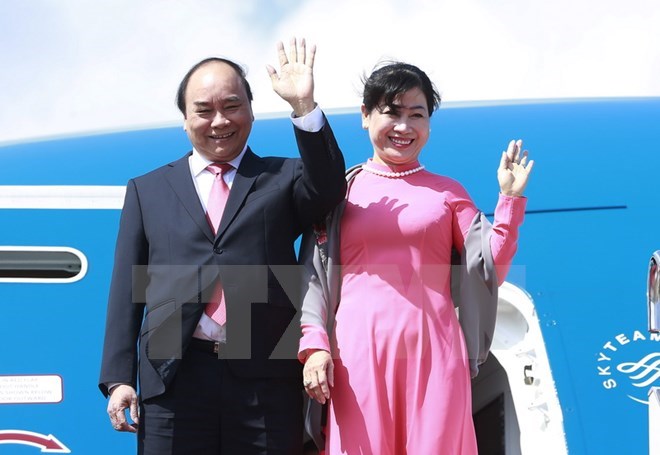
209, 387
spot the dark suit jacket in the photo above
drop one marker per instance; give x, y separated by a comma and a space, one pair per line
167, 261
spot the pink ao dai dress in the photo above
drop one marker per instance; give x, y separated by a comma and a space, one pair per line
402, 377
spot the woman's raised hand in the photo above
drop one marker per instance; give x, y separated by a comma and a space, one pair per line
514, 169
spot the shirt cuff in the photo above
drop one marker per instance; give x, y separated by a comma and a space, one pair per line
112, 385
510, 209
311, 122
314, 337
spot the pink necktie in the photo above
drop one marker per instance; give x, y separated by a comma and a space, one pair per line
219, 194
216, 205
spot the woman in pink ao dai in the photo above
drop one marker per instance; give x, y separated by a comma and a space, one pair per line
394, 370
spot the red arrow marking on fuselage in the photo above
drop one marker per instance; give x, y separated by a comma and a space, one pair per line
47, 443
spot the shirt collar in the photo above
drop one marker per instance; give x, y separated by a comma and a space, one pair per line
198, 163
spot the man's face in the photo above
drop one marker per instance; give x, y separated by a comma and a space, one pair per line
219, 115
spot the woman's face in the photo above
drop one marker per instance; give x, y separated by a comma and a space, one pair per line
398, 133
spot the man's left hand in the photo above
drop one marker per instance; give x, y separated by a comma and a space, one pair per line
295, 80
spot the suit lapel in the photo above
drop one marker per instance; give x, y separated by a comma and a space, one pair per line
251, 166
182, 184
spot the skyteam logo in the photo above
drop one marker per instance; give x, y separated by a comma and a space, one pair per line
630, 363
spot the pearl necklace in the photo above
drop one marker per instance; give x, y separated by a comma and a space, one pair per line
392, 174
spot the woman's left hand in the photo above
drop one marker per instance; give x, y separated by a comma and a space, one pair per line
318, 375
514, 169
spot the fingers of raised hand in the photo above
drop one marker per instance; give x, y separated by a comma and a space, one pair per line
523, 160
530, 165
523, 166
514, 155
518, 150
511, 151
310, 54
281, 54
299, 52
293, 50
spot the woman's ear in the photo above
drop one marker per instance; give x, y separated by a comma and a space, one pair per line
365, 117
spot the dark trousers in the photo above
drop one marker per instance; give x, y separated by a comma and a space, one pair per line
209, 411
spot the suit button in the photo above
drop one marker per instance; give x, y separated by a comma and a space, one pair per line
218, 250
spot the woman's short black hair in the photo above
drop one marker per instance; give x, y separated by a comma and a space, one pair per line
391, 79
181, 92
